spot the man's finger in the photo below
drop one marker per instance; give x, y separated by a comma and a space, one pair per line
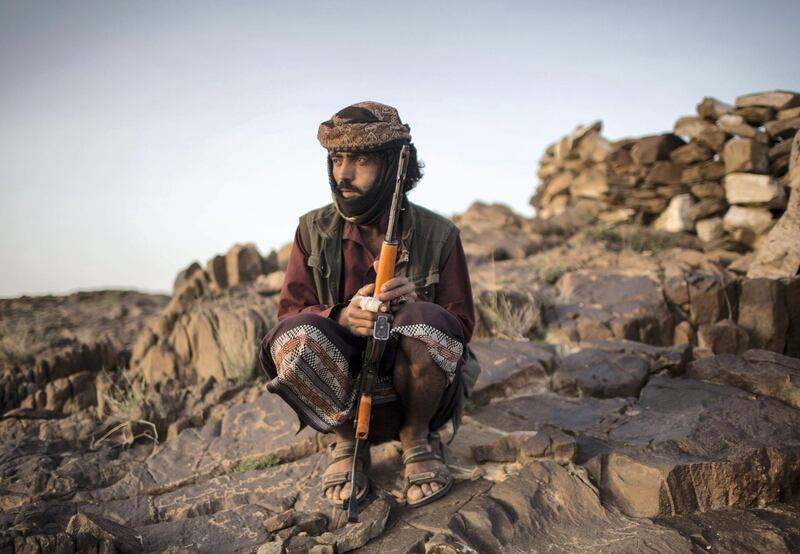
394, 283
367, 290
396, 293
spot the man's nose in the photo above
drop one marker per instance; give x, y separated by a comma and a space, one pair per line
347, 170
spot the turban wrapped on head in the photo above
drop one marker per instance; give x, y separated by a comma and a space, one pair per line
363, 127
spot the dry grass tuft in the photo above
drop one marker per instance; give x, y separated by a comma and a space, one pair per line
16, 342
124, 409
510, 316
643, 239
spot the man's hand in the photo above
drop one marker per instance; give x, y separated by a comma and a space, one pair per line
398, 291
357, 321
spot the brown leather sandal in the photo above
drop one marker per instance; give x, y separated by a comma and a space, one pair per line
341, 452
431, 449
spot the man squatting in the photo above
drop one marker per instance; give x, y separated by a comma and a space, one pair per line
313, 355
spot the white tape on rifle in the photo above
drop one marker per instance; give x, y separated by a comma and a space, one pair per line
369, 303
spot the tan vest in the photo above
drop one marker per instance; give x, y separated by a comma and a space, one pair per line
426, 240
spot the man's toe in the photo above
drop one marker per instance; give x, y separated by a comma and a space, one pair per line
414, 493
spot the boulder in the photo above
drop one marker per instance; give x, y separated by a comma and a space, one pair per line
690, 153
779, 256
752, 189
283, 255
756, 371
780, 166
664, 173
755, 115
509, 366
218, 271
269, 263
723, 337
736, 125
92, 531
712, 109
745, 155
690, 446
567, 146
548, 442
185, 275
495, 232
706, 208
705, 171
757, 220
676, 218
684, 334
558, 184
779, 150
783, 128
592, 372
522, 514
648, 150
708, 189
711, 297
789, 113
774, 528
243, 264
606, 303
535, 411
775, 99
713, 138
271, 283
709, 229
763, 313
590, 183
691, 127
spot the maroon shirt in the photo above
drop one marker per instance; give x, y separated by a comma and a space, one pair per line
453, 292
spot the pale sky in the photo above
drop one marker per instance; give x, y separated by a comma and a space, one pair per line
137, 137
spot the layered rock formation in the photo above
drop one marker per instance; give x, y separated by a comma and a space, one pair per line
51, 348
639, 386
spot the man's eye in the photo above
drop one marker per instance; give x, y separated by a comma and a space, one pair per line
363, 160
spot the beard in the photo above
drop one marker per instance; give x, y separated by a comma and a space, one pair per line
366, 208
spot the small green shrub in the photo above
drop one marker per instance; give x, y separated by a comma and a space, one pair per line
650, 239
470, 405
604, 234
253, 464
553, 273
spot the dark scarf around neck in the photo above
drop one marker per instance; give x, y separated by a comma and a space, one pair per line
367, 209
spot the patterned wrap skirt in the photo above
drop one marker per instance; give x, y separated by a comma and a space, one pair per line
313, 363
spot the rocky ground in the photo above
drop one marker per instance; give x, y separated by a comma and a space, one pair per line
640, 392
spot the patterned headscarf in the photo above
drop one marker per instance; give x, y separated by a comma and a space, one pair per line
363, 127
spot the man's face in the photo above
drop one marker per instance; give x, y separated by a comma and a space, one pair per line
355, 173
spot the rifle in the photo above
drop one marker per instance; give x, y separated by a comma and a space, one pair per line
380, 332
